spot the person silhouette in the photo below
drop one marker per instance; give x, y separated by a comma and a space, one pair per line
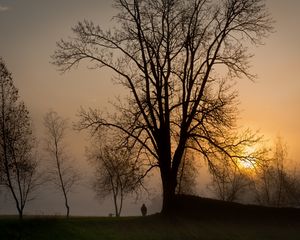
144, 210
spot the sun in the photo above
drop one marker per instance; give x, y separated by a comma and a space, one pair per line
249, 162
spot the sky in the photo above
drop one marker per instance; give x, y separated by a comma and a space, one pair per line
28, 34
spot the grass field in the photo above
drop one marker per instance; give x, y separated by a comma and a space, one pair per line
194, 218
152, 227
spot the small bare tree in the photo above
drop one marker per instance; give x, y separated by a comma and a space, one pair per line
62, 174
275, 183
231, 178
228, 182
18, 160
117, 171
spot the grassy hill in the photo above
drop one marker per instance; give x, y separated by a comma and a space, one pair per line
209, 220
206, 208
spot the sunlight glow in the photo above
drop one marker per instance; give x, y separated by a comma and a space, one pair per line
249, 162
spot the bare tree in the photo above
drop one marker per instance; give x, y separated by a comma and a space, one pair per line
117, 171
232, 180
277, 184
18, 157
229, 182
168, 54
62, 173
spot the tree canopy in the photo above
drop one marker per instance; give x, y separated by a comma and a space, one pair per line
18, 159
177, 59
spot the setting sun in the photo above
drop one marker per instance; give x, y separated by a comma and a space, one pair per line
249, 162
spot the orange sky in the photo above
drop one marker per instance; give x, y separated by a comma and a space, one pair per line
273, 103
29, 30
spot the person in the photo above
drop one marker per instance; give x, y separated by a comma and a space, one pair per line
144, 210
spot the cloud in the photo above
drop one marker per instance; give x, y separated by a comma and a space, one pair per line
3, 8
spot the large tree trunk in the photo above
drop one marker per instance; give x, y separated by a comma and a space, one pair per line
169, 170
169, 183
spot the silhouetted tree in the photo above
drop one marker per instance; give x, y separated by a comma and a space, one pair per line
231, 178
229, 182
167, 53
62, 171
116, 170
18, 157
275, 183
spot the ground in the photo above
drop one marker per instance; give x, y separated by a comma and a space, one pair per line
262, 223
153, 227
